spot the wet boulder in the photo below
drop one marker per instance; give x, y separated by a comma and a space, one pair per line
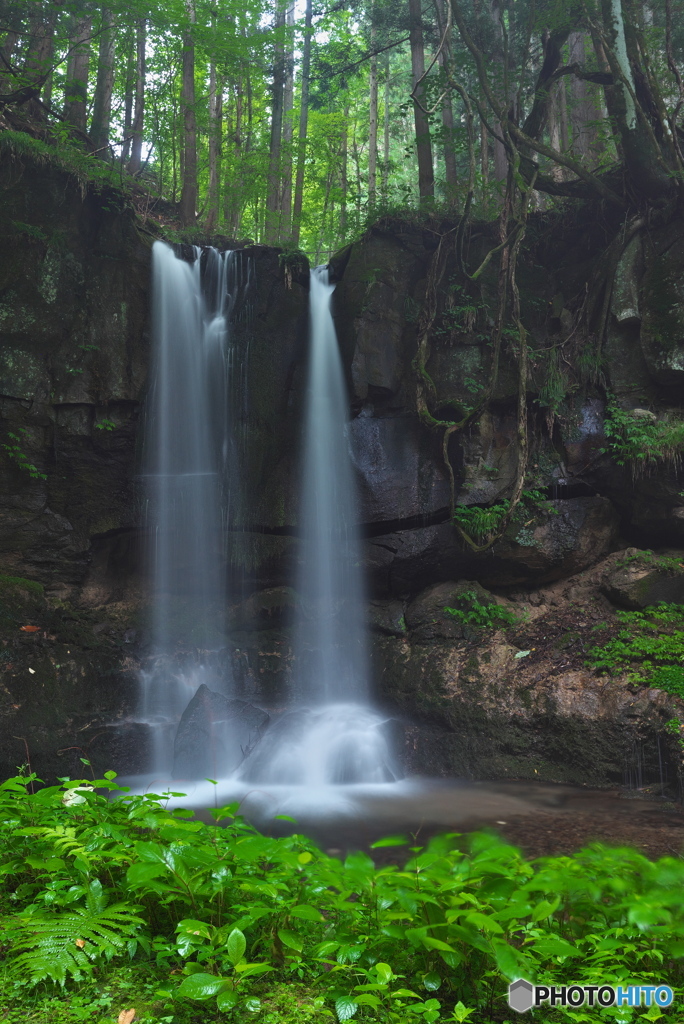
645, 579
215, 734
428, 618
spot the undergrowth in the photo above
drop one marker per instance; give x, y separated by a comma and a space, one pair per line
68, 156
638, 440
126, 897
483, 522
650, 647
473, 612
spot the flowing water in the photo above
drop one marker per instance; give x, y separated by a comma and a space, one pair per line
330, 735
189, 470
337, 738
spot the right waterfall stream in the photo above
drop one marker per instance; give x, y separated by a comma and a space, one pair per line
334, 736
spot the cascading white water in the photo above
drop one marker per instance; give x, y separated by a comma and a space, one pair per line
338, 738
331, 735
331, 635
187, 472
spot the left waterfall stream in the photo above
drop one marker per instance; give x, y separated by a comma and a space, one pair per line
189, 476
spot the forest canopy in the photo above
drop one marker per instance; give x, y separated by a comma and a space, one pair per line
295, 123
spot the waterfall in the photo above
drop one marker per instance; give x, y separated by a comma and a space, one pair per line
331, 638
330, 734
336, 738
188, 470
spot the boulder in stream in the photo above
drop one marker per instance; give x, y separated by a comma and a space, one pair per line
215, 734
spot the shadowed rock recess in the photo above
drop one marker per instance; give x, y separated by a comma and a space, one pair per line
512, 697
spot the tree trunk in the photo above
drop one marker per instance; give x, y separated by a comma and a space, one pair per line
215, 118
303, 126
39, 51
139, 115
584, 107
343, 173
426, 174
102, 104
373, 117
6, 55
288, 106
643, 160
188, 203
386, 134
76, 88
273, 208
128, 97
450, 167
555, 134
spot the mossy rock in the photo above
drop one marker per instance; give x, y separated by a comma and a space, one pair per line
646, 580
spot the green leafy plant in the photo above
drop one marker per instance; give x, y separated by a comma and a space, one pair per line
105, 424
473, 612
58, 945
17, 454
483, 522
650, 648
222, 915
637, 439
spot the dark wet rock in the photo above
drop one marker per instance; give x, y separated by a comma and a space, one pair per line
485, 714
265, 609
428, 619
387, 617
215, 734
662, 329
552, 542
646, 580
400, 469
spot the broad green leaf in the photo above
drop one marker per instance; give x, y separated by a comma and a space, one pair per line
488, 924
236, 946
390, 841
227, 999
345, 1008
201, 986
545, 909
366, 999
290, 939
432, 981
246, 970
384, 972
306, 913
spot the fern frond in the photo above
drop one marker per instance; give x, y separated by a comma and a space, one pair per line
62, 944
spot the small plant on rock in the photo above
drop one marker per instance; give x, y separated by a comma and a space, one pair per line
472, 612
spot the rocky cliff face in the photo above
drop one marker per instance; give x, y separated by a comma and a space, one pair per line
74, 360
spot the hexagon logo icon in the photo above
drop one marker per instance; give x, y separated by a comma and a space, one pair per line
521, 995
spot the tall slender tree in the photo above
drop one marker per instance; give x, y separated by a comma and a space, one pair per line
139, 110
188, 203
102, 102
426, 173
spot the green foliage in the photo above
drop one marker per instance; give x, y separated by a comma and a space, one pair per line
650, 647
472, 612
223, 913
641, 442
17, 454
66, 155
59, 945
483, 523
105, 424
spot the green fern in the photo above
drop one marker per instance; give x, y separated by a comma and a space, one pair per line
57, 945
